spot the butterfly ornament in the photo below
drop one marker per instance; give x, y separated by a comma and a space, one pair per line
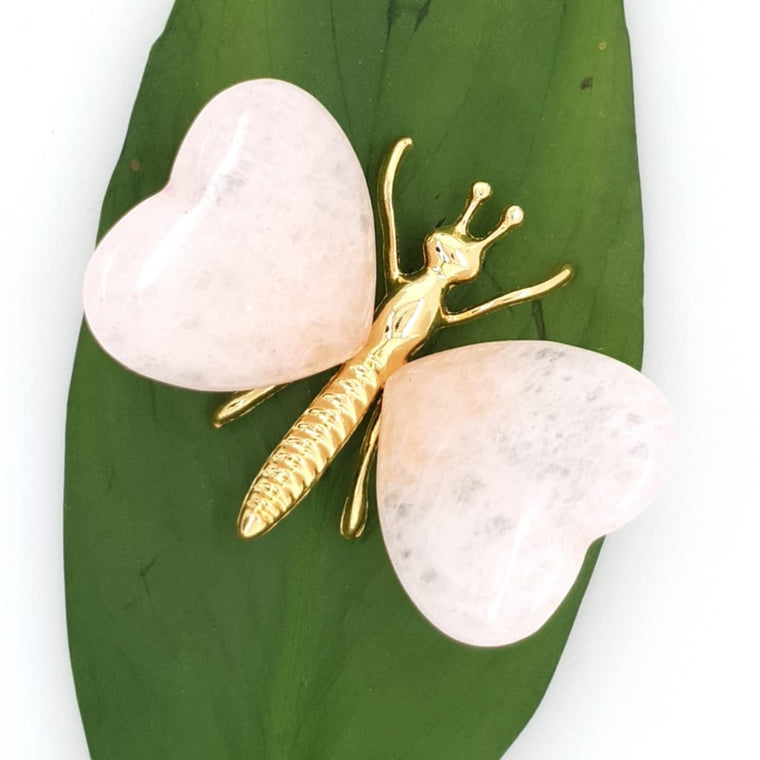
498, 464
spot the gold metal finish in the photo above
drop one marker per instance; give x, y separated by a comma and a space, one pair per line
413, 309
241, 403
354, 517
387, 214
309, 446
564, 275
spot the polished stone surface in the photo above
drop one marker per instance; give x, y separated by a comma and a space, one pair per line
499, 464
255, 265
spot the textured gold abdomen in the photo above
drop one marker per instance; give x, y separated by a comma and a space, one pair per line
309, 446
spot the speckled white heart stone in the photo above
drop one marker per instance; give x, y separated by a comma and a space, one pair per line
499, 464
255, 265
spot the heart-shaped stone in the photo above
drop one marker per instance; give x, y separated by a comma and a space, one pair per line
499, 464
255, 265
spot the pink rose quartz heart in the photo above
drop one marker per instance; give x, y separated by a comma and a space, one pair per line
255, 265
498, 465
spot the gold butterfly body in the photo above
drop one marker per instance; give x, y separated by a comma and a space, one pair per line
412, 311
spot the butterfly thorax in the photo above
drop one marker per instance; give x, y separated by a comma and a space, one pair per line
403, 322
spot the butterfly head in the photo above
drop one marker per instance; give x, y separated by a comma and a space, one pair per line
452, 253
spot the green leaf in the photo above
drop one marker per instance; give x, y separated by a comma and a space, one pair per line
189, 643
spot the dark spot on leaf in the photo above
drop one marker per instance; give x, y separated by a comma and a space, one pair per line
421, 14
537, 314
111, 478
152, 399
135, 165
391, 14
143, 573
587, 83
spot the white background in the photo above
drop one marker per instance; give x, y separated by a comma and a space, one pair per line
663, 660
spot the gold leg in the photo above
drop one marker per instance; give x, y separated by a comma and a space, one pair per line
563, 276
354, 517
241, 403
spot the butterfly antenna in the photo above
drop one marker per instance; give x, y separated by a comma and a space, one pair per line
511, 217
479, 192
